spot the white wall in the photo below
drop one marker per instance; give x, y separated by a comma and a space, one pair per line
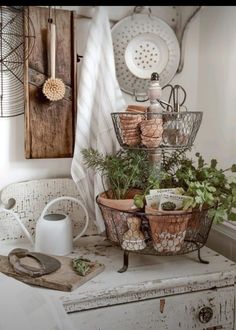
14, 167
216, 96
216, 93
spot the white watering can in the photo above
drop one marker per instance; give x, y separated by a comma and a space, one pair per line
53, 233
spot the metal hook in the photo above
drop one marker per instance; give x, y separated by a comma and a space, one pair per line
138, 9
79, 57
51, 13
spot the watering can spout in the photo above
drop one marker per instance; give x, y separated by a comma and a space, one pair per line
8, 208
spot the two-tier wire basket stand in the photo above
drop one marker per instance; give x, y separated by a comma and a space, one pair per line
165, 233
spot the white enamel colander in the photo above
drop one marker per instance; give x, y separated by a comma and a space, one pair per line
144, 44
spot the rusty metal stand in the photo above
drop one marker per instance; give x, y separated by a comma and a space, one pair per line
125, 262
200, 258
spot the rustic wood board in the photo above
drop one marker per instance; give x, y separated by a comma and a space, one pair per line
50, 126
64, 279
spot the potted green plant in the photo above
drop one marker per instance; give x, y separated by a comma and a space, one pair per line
121, 172
212, 195
208, 185
124, 174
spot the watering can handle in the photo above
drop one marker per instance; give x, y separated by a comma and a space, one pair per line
73, 199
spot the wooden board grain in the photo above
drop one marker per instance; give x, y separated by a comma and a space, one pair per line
50, 126
64, 279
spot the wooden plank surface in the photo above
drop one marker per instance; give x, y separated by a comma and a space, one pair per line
50, 126
64, 279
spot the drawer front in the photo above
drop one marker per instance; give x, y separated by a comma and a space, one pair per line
198, 310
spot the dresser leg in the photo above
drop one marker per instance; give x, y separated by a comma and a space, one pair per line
200, 259
125, 262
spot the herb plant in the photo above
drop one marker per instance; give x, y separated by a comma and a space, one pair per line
208, 185
123, 170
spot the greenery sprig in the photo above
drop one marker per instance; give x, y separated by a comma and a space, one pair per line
81, 266
123, 170
208, 185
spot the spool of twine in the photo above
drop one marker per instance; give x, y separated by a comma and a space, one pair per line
53, 88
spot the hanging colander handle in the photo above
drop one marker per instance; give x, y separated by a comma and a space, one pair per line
139, 9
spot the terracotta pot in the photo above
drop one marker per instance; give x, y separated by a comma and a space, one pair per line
136, 108
115, 213
168, 229
126, 204
151, 132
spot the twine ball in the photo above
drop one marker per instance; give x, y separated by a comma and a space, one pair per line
54, 89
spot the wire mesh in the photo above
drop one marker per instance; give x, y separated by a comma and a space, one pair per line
169, 233
16, 43
156, 130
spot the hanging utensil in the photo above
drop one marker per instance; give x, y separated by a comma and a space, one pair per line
53, 88
177, 97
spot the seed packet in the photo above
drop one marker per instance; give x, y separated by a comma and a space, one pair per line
177, 191
172, 202
153, 200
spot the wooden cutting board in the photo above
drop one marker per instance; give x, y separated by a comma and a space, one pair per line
64, 279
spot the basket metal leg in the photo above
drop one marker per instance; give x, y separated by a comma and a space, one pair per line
200, 258
125, 262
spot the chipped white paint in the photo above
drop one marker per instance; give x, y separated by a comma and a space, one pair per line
155, 292
179, 312
31, 197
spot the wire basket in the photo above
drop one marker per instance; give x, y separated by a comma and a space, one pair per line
163, 233
156, 130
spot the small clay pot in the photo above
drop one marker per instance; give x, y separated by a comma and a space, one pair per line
136, 108
151, 132
168, 229
115, 215
106, 199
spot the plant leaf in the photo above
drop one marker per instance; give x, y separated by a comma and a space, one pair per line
139, 201
232, 216
233, 168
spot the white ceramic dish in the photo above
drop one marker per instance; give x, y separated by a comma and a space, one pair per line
132, 32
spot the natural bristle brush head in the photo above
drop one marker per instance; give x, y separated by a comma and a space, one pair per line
54, 89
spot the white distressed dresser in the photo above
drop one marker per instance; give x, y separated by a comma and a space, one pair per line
156, 292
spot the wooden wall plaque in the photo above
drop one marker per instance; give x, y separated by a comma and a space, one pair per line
50, 126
